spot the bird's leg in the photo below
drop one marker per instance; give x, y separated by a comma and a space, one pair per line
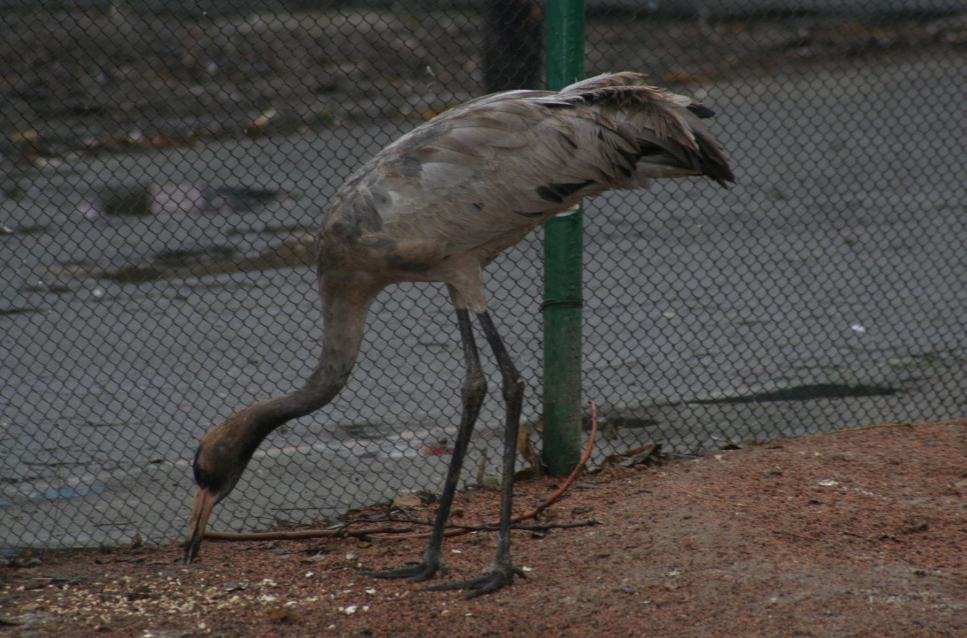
474, 389
503, 571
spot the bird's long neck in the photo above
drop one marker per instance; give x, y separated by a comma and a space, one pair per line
344, 315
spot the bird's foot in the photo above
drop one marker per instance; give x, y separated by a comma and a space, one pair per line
499, 576
412, 572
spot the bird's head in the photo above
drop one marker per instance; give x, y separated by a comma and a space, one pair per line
219, 463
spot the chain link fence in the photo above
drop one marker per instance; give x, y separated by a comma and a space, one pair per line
162, 172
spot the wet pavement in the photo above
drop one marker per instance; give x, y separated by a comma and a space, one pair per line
825, 290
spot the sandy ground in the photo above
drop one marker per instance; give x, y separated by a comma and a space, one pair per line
854, 533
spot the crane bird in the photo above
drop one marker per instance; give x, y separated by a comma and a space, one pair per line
439, 205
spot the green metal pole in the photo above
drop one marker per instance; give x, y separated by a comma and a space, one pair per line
562, 268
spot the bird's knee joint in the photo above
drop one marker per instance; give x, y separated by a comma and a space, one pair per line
514, 389
475, 387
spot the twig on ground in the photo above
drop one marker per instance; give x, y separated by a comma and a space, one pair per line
494, 527
532, 528
891, 424
341, 532
784, 533
556, 496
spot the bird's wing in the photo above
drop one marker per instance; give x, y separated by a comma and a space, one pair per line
666, 127
489, 171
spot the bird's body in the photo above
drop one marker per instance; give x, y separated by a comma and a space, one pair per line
441, 203
480, 177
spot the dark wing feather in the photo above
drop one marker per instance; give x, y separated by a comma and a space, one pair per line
484, 174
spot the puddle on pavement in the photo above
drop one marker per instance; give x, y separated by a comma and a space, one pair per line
273, 229
67, 492
24, 230
186, 257
153, 200
619, 421
22, 311
806, 392
43, 287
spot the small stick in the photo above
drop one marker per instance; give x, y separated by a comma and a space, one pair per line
784, 533
342, 532
531, 528
556, 496
892, 424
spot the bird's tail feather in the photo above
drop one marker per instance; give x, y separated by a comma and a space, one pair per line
667, 127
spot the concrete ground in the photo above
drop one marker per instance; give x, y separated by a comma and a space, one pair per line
825, 290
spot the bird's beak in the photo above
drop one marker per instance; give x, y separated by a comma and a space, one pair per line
205, 501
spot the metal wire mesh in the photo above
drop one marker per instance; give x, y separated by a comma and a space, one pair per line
162, 169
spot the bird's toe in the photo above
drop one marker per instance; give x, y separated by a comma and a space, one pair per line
412, 572
498, 577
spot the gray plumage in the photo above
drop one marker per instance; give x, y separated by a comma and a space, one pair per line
441, 203
478, 178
